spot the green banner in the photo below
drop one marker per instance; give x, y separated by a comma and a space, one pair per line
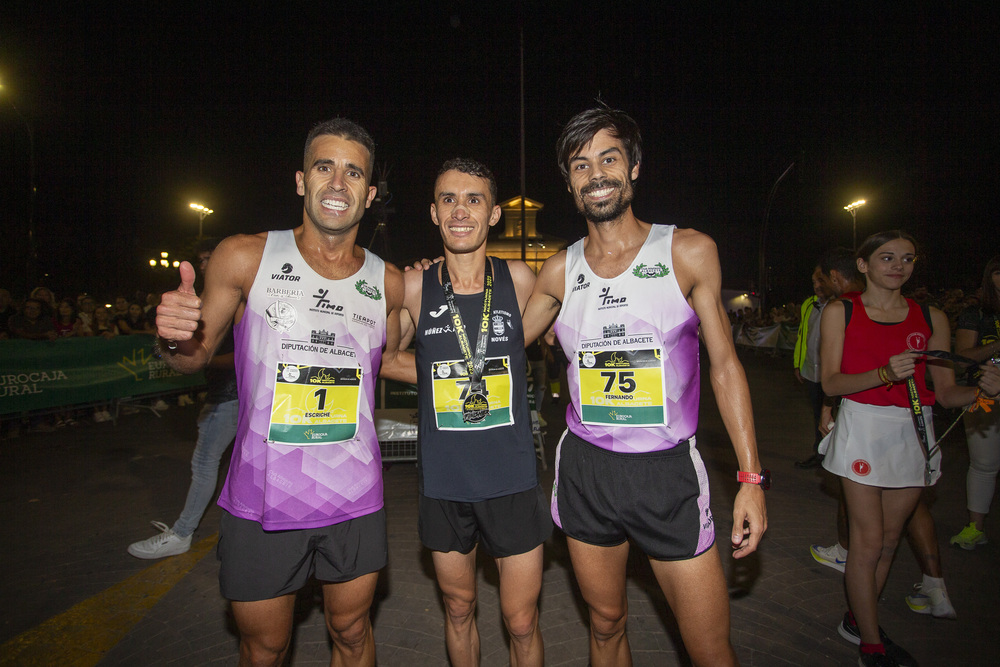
36, 375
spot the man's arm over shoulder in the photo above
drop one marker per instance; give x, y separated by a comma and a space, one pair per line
397, 364
524, 281
696, 260
197, 325
546, 297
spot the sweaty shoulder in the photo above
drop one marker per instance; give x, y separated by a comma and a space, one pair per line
523, 279
236, 260
394, 284
694, 255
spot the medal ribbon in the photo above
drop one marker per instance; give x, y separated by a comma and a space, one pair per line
917, 411
475, 363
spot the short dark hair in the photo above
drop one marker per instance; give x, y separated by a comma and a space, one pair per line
348, 129
879, 239
843, 261
472, 168
582, 127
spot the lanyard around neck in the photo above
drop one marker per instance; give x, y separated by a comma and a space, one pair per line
475, 362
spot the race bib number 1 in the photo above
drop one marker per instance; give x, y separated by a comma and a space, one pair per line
621, 387
314, 405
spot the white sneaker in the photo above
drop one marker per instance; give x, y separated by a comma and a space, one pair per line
932, 601
167, 543
835, 556
160, 405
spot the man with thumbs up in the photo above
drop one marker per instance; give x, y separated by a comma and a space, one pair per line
312, 313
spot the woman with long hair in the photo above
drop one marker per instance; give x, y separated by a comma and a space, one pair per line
977, 336
67, 321
872, 350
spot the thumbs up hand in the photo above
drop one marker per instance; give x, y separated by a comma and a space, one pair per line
179, 312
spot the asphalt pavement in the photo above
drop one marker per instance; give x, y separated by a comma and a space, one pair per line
78, 496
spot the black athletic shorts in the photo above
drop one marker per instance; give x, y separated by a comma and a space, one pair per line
260, 564
506, 526
658, 500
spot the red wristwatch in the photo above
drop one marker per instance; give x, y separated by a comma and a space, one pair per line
763, 479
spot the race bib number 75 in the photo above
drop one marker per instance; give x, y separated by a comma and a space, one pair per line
621, 387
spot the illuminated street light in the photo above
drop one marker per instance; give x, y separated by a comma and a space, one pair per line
852, 208
202, 212
164, 261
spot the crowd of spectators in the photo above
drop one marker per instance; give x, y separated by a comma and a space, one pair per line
41, 316
950, 301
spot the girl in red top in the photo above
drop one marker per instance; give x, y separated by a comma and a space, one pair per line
869, 346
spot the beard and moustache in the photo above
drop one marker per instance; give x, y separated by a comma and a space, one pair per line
608, 209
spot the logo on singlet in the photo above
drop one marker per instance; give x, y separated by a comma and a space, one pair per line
610, 300
286, 271
580, 284
916, 341
370, 291
280, 316
658, 270
323, 337
439, 312
324, 305
613, 331
861, 468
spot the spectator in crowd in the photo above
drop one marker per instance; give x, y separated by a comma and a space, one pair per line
135, 322
119, 310
805, 359
86, 308
978, 338
30, 323
67, 323
103, 324
46, 298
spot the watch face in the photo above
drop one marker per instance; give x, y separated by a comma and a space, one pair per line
765, 479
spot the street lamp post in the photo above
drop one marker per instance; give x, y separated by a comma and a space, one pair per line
202, 212
32, 263
852, 208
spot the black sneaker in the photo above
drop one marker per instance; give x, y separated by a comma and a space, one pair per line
848, 629
876, 660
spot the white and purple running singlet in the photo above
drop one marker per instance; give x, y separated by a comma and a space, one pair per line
307, 353
632, 346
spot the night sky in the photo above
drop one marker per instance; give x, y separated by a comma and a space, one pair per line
138, 111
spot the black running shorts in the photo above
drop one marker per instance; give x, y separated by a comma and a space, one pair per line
658, 500
506, 526
257, 564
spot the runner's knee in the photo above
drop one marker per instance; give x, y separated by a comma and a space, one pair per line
263, 651
608, 623
521, 624
352, 636
459, 607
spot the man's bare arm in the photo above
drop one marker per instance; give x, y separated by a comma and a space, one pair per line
196, 326
546, 298
524, 281
397, 364
697, 261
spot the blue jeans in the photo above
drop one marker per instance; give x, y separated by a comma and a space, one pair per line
216, 429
